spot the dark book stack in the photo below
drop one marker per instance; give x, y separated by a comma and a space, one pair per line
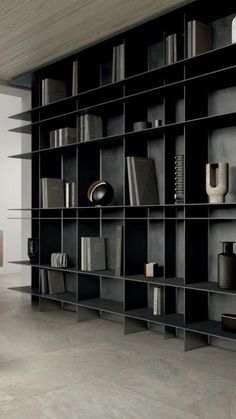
70, 194
51, 282
118, 63
62, 136
53, 195
174, 48
52, 90
93, 254
199, 38
142, 181
179, 178
90, 127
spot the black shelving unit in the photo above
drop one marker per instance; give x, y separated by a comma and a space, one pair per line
195, 99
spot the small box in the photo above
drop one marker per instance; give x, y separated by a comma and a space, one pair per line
151, 270
229, 322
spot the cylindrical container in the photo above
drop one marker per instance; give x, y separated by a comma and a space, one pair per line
227, 267
140, 125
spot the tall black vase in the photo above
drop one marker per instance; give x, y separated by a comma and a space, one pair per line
227, 267
33, 249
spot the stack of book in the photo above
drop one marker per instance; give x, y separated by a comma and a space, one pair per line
142, 181
70, 194
93, 254
59, 260
118, 63
52, 90
174, 48
157, 301
58, 194
199, 38
51, 282
179, 178
62, 136
90, 127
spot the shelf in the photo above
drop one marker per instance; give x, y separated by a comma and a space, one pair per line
27, 289
102, 304
175, 320
66, 297
171, 282
211, 328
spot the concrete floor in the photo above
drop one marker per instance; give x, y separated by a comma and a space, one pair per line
53, 367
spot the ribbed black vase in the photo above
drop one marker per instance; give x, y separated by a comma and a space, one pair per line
227, 267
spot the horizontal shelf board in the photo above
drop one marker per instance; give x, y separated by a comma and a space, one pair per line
27, 115
102, 304
211, 328
66, 297
175, 282
209, 287
27, 289
174, 319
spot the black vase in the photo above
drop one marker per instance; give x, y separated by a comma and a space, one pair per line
33, 250
227, 267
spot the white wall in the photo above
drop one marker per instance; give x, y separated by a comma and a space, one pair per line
12, 101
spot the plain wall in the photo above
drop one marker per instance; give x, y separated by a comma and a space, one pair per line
14, 188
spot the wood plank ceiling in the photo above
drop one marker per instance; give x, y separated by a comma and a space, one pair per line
35, 32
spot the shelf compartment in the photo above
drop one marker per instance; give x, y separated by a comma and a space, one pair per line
102, 304
174, 319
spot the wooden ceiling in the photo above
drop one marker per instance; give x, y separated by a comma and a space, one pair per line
35, 32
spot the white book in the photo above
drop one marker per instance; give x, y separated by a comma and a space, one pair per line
157, 301
132, 198
84, 265
234, 30
189, 39
67, 195
122, 62
43, 92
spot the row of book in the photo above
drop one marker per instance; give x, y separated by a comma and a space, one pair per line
94, 253
174, 48
51, 282
53, 90
62, 136
56, 193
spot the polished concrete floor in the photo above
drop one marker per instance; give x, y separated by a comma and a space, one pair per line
53, 367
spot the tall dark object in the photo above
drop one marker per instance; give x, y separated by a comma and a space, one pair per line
33, 249
227, 267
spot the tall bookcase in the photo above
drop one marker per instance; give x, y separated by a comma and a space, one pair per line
196, 100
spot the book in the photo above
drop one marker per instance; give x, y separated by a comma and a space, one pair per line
132, 197
70, 194
56, 282
155, 55
96, 257
118, 62
44, 281
157, 309
84, 265
234, 30
75, 78
118, 250
142, 181
199, 38
92, 127
93, 254
52, 90
52, 193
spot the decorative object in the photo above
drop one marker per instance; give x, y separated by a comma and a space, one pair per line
217, 180
157, 301
59, 260
140, 125
179, 178
100, 193
151, 269
33, 249
157, 123
228, 322
227, 267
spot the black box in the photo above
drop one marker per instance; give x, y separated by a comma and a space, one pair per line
229, 322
